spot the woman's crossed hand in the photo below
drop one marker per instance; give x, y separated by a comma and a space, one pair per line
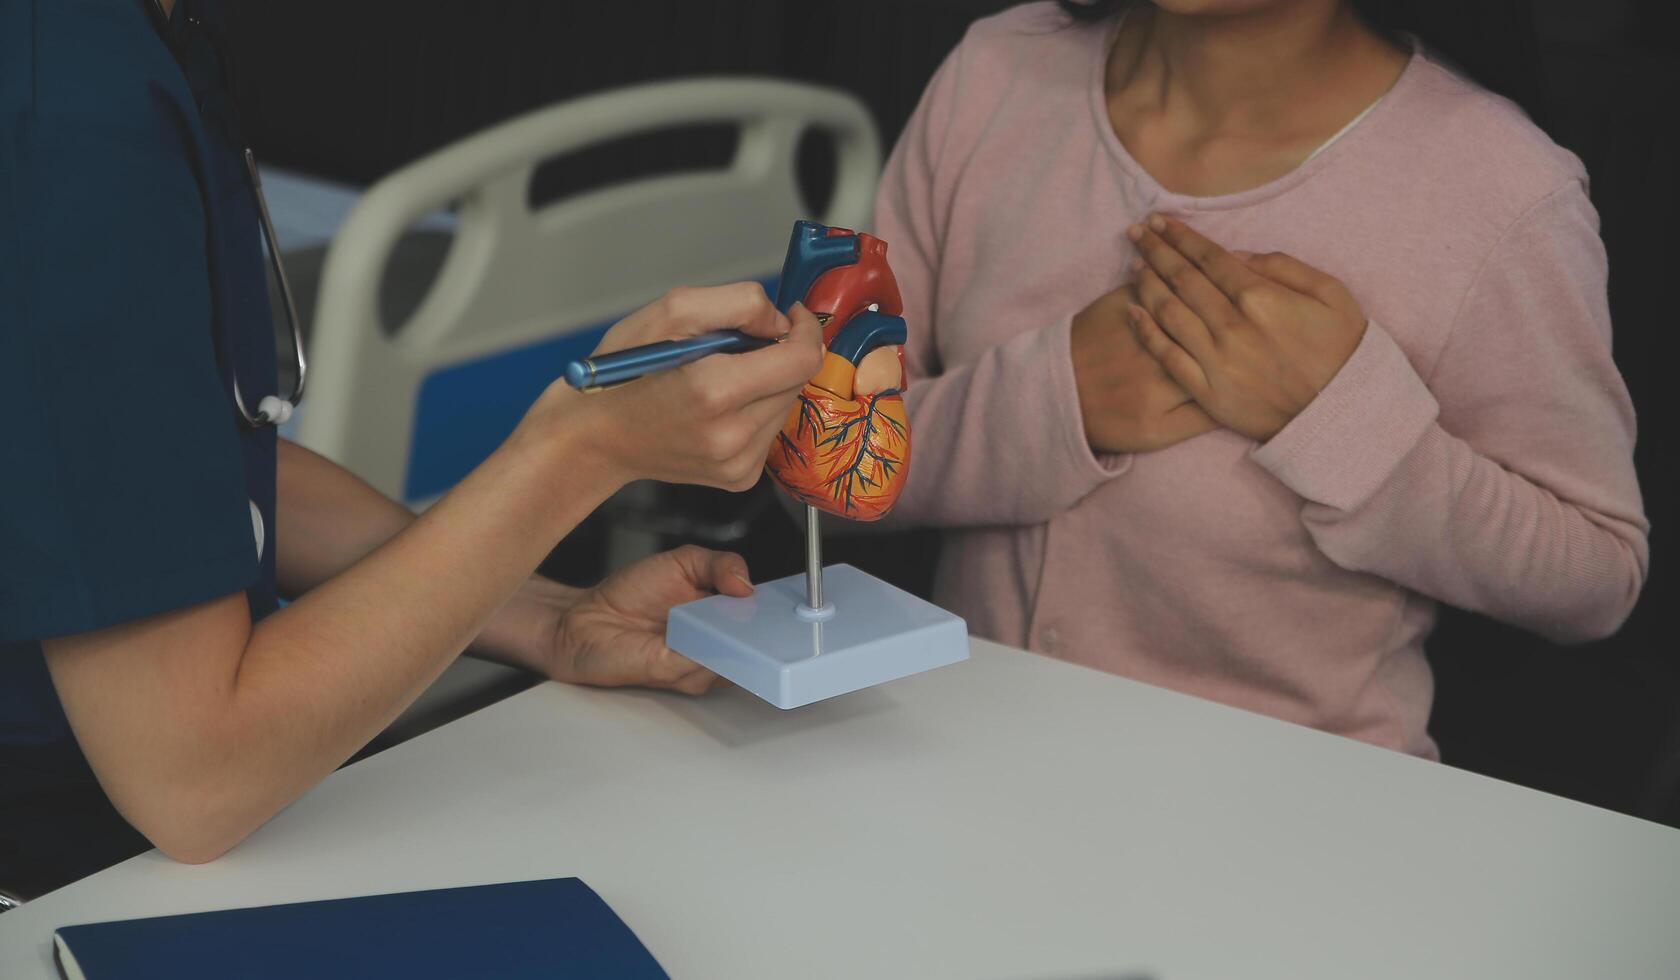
1252, 338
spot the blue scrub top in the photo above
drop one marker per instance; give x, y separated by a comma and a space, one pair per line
132, 283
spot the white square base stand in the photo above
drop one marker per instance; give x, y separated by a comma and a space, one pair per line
764, 643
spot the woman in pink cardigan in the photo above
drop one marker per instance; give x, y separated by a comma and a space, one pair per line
1244, 336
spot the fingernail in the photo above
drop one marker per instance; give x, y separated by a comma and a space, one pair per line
1158, 223
744, 581
1135, 232
1136, 313
1136, 265
1239, 253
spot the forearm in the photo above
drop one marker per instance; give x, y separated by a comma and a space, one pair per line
1389, 491
318, 679
522, 631
405, 611
1001, 441
327, 519
1455, 525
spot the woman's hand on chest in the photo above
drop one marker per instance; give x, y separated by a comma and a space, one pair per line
1252, 338
1126, 399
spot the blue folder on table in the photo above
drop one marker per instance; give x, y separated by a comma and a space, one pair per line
556, 927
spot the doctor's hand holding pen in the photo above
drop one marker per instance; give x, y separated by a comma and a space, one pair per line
708, 422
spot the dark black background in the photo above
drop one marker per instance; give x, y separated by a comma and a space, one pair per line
352, 90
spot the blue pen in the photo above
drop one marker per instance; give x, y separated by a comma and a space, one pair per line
595, 373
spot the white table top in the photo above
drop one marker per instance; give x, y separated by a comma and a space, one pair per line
1009, 817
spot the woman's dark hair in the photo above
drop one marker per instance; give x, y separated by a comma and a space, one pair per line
1492, 41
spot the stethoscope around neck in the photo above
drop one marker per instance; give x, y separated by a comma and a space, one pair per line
271, 409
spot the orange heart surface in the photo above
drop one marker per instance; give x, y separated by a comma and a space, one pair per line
844, 452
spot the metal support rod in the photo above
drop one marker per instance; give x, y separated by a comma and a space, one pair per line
813, 559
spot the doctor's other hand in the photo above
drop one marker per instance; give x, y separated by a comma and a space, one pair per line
1253, 338
1127, 401
613, 635
709, 422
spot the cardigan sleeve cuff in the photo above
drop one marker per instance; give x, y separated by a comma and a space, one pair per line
1348, 441
1078, 466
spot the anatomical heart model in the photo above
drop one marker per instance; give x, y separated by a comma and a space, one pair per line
844, 451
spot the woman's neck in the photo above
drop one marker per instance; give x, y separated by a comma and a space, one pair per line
1253, 63
1227, 101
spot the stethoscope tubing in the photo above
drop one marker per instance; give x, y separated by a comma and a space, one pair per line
272, 409
288, 304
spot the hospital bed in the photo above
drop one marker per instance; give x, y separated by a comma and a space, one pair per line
524, 285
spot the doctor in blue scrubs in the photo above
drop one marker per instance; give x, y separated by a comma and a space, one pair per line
150, 689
